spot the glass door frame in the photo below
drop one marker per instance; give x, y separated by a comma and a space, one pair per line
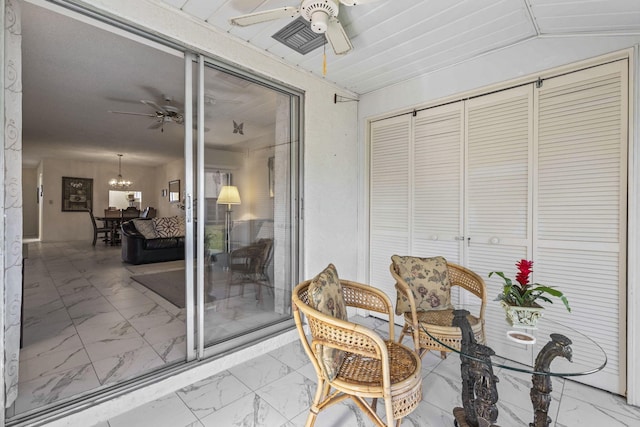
194, 251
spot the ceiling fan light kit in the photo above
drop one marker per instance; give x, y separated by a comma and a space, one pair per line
317, 12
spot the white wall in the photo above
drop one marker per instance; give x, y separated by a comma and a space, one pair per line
513, 63
64, 226
170, 172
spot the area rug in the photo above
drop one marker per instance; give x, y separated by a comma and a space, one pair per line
156, 267
168, 284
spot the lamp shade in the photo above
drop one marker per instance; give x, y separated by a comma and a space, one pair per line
229, 195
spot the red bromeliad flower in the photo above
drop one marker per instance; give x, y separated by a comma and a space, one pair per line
524, 270
525, 294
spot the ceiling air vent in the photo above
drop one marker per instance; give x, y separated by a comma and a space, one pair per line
299, 37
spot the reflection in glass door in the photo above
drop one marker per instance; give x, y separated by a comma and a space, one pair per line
245, 204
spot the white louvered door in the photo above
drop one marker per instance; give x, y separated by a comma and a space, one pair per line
498, 181
437, 182
580, 194
498, 192
534, 173
389, 197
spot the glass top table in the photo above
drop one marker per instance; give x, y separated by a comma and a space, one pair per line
552, 348
517, 352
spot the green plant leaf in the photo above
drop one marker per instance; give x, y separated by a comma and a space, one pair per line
501, 274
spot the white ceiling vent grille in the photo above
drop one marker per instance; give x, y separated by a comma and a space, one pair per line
299, 37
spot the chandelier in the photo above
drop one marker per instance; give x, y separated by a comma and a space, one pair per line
119, 182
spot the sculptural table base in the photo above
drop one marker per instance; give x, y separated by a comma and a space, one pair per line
541, 389
461, 420
479, 392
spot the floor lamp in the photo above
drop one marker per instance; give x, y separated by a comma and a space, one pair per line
228, 196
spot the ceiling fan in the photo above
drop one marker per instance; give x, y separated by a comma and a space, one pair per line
322, 14
162, 113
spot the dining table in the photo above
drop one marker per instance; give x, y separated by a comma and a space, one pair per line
113, 223
553, 348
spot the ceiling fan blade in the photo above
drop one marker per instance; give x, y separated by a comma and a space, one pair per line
356, 2
153, 105
338, 37
155, 125
264, 16
133, 114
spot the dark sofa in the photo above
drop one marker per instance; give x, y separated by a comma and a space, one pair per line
136, 249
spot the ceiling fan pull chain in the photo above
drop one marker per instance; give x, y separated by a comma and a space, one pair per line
324, 58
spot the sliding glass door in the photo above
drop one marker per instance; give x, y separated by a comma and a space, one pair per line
244, 181
107, 315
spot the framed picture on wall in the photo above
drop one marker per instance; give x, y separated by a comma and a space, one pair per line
174, 191
77, 194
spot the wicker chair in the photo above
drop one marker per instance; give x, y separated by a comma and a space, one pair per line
249, 265
438, 322
372, 368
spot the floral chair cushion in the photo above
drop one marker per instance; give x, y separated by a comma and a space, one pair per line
325, 295
428, 279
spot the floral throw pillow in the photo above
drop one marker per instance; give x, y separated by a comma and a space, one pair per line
168, 226
325, 295
428, 279
145, 227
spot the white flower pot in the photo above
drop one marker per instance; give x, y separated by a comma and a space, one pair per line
522, 317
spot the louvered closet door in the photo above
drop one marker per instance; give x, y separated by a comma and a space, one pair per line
580, 222
390, 186
498, 201
437, 182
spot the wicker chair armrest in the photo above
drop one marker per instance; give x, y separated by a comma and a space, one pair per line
403, 289
469, 281
366, 297
345, 335
363, 296
246, 252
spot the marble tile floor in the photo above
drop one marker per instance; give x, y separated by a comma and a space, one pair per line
276, 389
87, 324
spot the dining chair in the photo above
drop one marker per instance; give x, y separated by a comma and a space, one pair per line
104, 230
148, 212
424, 300
130, 213
351, 360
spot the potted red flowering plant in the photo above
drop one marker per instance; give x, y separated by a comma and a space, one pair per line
524, 295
